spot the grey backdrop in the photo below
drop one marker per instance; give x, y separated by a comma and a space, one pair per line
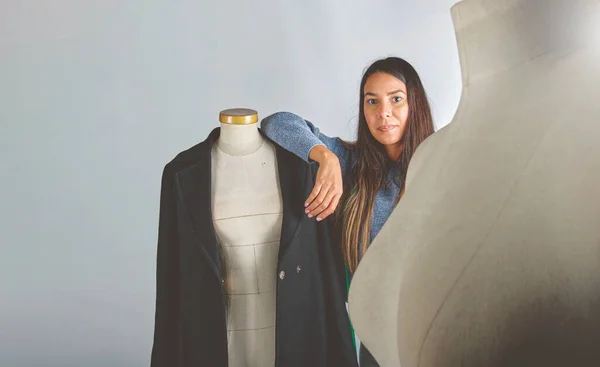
96, 96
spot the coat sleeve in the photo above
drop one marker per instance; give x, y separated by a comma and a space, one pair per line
165, 349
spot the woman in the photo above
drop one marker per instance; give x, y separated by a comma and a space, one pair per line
367, 176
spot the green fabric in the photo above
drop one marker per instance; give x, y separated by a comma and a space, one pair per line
347, 291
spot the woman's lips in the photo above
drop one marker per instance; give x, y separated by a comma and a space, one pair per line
386, 128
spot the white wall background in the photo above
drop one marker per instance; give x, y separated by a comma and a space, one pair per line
96, 96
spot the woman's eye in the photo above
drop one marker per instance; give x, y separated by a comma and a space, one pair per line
371, 101
397, 99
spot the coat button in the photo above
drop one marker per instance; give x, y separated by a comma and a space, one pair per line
298, 268
281, 275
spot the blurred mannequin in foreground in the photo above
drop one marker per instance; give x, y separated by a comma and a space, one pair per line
492, 258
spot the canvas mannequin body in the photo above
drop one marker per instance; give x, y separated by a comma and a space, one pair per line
247, 215
492, 256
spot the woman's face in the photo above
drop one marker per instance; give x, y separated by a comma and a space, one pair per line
386, 110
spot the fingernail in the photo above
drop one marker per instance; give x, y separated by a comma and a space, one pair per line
310, 215
306, 211
305, 205
318, 219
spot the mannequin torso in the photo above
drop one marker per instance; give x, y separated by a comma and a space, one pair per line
491, 257
247, 214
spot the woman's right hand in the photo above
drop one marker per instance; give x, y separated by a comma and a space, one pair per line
328, 189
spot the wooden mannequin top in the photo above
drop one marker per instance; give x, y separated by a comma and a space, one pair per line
492, 257
239, 132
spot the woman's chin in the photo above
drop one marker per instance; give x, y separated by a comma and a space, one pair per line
388, 140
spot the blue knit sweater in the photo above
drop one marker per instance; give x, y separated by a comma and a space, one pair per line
299, 136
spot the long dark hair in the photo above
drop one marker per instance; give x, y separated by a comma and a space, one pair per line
372, 162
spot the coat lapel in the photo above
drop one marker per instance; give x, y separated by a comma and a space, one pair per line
293, 180
195, 184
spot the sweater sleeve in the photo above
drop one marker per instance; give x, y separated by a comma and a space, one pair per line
299, 136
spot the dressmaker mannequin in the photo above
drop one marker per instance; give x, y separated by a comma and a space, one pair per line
247, 215
492, 258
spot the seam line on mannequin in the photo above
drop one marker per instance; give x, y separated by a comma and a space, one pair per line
249, 215
260, 328
249, 293
251, 244
256, 269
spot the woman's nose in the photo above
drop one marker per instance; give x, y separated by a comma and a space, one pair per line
385, 111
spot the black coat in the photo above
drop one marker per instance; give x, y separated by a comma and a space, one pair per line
312, 325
